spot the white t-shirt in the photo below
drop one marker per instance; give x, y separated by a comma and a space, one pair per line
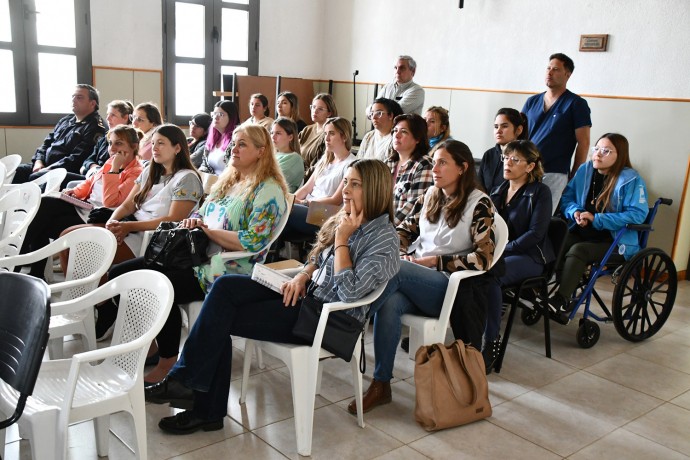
329, 179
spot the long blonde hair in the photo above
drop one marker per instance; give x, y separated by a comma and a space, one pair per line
377, 200
345, 129
266, 167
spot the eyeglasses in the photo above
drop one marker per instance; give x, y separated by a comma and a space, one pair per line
514, 160
376, 114
317, 109
192, 124
603, 151
139, 119
217, 114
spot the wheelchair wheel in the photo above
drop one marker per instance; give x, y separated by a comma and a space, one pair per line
644, 294
530, 316
588, 333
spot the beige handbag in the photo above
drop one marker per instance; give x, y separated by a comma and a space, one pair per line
451, 386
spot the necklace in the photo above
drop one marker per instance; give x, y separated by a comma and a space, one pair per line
596, 193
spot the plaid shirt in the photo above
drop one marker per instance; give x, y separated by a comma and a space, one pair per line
413, 180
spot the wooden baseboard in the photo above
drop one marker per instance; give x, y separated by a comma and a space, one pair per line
682, 275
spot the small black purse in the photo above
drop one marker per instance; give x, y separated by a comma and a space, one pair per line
342, 330
176, 248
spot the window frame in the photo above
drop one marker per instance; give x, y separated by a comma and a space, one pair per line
25, 50
212, 51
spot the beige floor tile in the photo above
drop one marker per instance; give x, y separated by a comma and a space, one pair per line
336, 436
402, 453
502, 390
611, 402
624, 444
403, 367
244, 446
551, 424
666, 425
643, 375
680, 336
682, 400
397, 418
532, 370
479, 440
269, 400
666, 352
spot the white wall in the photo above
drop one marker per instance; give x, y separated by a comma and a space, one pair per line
127, 34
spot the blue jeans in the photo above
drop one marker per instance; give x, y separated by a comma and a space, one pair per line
517, 268
235, 305
415, 289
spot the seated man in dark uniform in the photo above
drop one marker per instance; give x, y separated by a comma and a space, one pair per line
71, 141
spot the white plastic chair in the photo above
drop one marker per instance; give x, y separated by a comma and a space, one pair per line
305, 370
10, 162
3, 173
192, 309
428, 331
82, 388
91, 252
52, 179
17, 209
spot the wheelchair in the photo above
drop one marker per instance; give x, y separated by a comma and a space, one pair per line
644, 291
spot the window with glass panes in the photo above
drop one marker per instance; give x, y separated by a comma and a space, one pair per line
45, 50
205, 39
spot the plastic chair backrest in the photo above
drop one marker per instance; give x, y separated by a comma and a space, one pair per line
10, 162
52, 180
24, 319
90, 248
501, 237
18, 208
3, 172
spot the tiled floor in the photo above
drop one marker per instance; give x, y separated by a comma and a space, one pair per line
618, 400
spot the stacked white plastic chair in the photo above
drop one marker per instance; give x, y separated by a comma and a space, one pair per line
10, 163
18, 207
97, 383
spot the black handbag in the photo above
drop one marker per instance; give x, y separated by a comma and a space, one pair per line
99, 215
342, 330
173, 247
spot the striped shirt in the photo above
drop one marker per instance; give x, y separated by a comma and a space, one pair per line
374, 250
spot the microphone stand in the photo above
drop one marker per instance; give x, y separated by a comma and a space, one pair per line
354, 107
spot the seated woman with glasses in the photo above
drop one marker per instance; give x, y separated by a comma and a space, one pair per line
357, 251
525, 205
409, 164
240, 214
198, 131
326, 184
287, 106
259, 109
509, 125
377, 143
451, 228
215, 155
146, 117
604, 196
438, 126
311, 138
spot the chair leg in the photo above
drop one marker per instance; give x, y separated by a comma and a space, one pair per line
416, 341
357, 383
260, 358
547, 324
248, 351
506, 334
139, 418
55, 350
89, 337
303, 381
101, 426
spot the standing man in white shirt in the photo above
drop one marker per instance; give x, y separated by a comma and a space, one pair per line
403, 90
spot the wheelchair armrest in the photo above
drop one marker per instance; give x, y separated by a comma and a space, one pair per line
639, 227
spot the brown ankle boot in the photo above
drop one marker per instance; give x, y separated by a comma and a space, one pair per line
377, 394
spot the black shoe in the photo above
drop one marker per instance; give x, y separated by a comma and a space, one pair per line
186, 423
105, 320
170, 391
490, 354
405, 344
559, 308
152, 360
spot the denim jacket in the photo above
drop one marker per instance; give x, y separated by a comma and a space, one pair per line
628, 205
528, 220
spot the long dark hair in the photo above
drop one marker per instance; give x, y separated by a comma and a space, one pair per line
453, 206
516, 119
214, 136
620, 143
182, 161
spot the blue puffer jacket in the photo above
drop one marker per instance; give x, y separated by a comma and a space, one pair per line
628, 205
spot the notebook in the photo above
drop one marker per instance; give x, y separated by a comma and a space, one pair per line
72, 200
318, 213
269, 277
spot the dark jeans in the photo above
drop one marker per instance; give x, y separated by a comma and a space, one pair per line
24, 173
579, 254
517, 268
235, 305
53, 216
187, 289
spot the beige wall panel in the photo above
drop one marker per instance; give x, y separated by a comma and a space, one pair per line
113, 84
682, 244
437, 97
342, 93
147, 88
25, 141
3, 143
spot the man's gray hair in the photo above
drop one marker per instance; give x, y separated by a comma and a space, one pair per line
411, 62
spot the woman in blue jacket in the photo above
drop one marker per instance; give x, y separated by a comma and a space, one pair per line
525, 204
605, 195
